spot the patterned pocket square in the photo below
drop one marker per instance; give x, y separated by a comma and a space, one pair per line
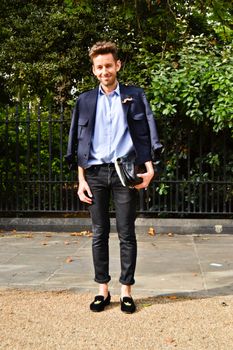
127, 99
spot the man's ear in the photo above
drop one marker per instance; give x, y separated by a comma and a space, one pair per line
118, 65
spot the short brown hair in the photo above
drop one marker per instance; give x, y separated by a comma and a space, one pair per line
103, 47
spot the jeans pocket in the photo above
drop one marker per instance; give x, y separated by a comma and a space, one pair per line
92, 171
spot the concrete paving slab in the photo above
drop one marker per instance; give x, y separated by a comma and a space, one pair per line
181, 264
33, 277
70, 280
6, 257
216, 261
77, 266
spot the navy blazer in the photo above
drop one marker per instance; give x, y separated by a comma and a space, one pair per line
140, 120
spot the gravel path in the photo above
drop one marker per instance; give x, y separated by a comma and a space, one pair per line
62, 320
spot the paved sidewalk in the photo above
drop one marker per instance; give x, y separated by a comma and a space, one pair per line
183, 293
181, 264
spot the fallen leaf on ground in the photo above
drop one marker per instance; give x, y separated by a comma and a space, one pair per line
28, 235
151, 231
82, 233
22, 235
75, 234
146, 304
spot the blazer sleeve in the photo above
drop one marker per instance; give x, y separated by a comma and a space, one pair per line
71, 154
156, 146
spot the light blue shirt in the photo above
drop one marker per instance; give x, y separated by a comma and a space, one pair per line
111, 138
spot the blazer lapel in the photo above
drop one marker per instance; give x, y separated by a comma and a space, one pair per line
91, 102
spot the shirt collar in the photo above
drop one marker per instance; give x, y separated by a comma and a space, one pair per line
115, 91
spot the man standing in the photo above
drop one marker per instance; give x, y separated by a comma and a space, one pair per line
109, 122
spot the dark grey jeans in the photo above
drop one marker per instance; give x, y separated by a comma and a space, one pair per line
104, 182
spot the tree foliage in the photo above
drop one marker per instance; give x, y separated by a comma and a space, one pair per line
196, 82
44, 43
179, 51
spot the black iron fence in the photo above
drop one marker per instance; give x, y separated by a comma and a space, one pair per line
34, 178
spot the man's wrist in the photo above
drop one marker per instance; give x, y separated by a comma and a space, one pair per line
81, 174
149, 167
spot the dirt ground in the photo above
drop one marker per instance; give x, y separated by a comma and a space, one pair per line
61, 320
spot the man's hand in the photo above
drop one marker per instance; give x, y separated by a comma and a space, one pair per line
84, 191
146, 177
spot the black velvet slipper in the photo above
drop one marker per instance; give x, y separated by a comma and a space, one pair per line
99, 303
127, 305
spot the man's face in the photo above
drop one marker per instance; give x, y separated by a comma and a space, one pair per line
105, 69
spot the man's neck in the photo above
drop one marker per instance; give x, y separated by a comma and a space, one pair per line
108, 89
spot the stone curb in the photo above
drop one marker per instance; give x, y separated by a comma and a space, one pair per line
178, 226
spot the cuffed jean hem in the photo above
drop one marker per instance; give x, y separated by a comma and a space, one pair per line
103, 281
127, 283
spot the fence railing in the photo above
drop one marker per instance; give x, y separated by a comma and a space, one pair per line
34, 178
